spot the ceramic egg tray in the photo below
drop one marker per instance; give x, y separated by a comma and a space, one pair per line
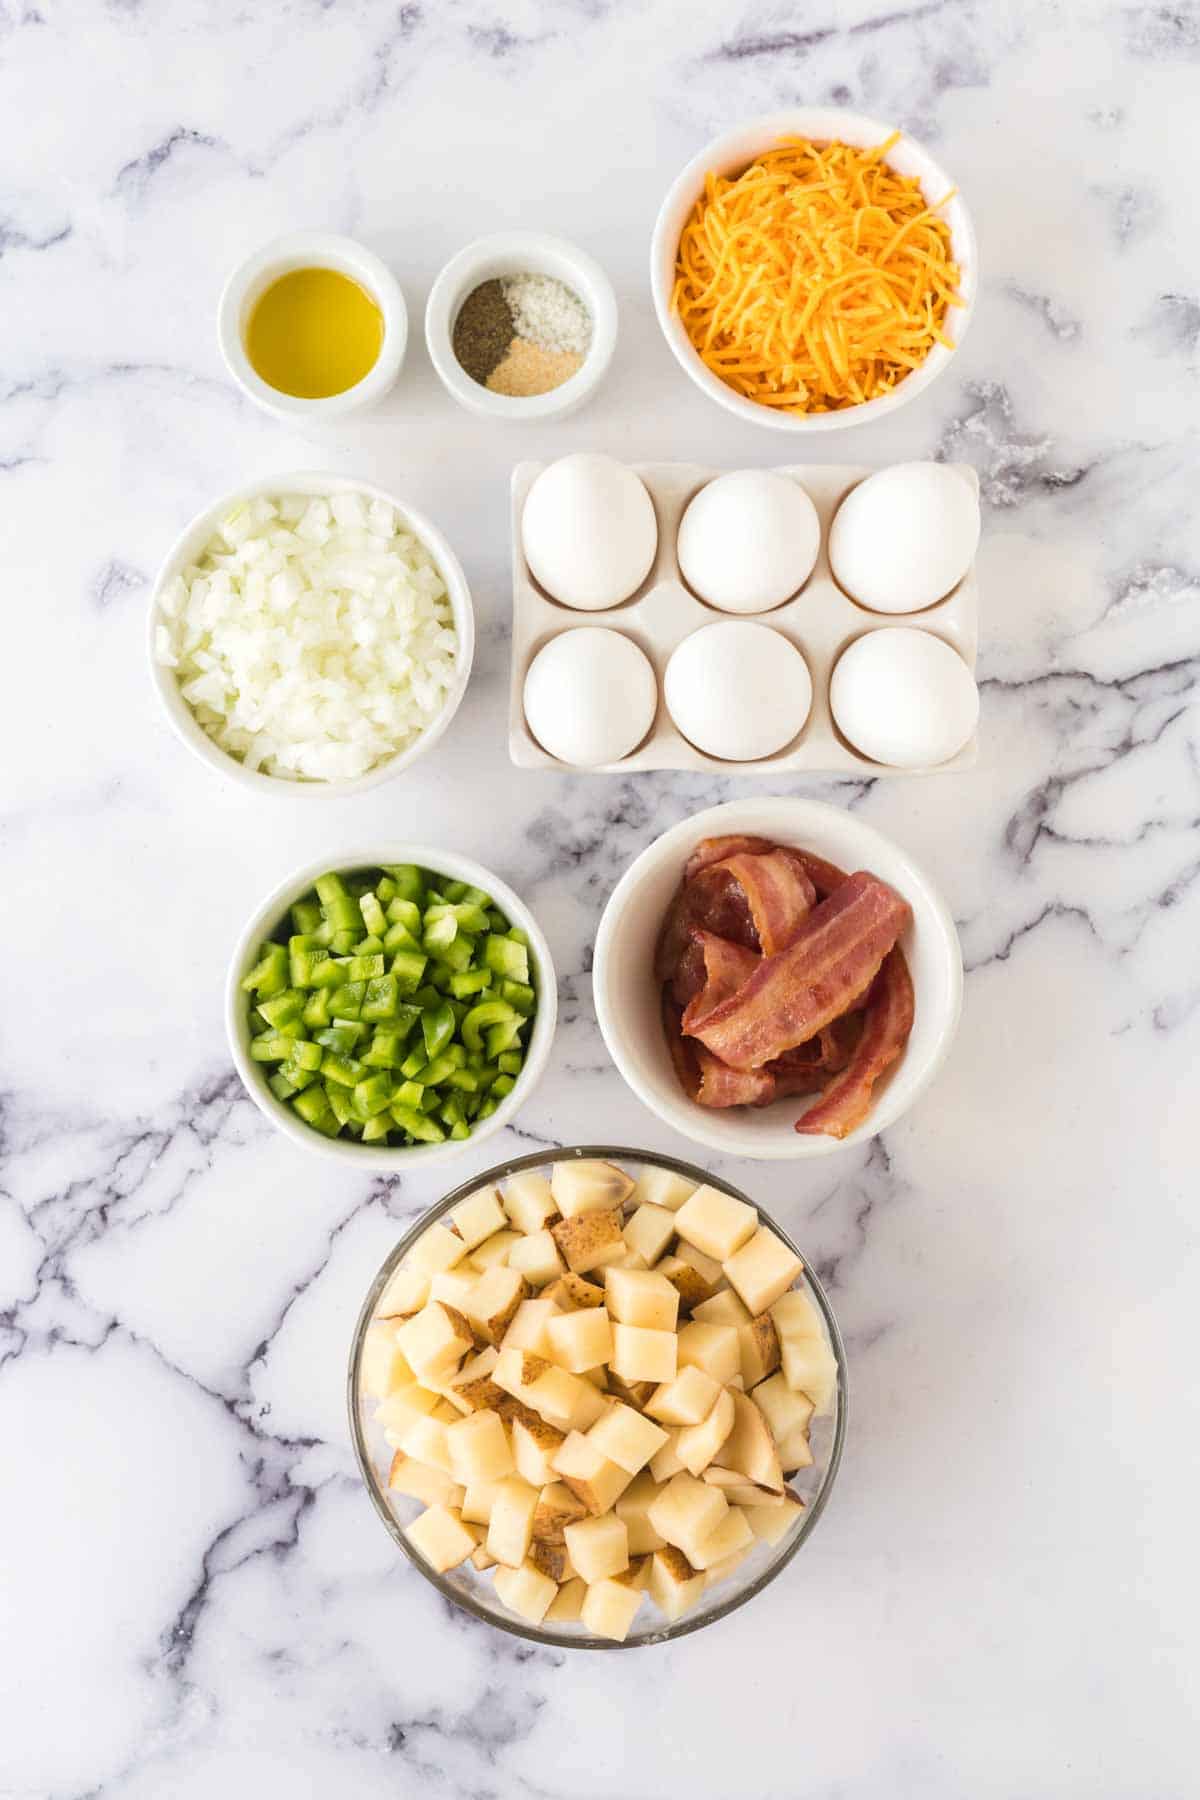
821, 620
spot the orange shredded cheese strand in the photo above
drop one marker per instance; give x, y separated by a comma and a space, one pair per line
816, 279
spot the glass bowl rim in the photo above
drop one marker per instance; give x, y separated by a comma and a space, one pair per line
516, 1627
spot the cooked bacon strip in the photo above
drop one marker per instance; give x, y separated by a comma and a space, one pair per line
723, 1086
889, 1016
789, 997
683, 1051
757, 901
726, 968
714, 902
778, 892
719, 849
825, 876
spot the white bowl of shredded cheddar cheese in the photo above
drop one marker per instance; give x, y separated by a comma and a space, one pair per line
864, 286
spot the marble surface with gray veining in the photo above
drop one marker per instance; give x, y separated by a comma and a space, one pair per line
196, 1598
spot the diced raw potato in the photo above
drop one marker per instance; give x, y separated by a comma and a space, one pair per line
479, 1449
758, 1343
795, 1452
495, 1251
585, 1186
552, 1559
715, 1222
662, 1187
435, 1249
675, 1586
787, 1413
550, 1391
453, 1285
763, 1269
537, 1258
491, 1302
383, 1368
589, 1240
697, 1445
477, 1502
713, 1348
405, 1293
649, 1231
534, 1443
720, 1571
641, 1297
632, 1259
510, 1527
626, 1438
406, 1404
809, 1367
609, 1608
598, 1547
724, 1308
526, 1591
796, 1316
570, 1292
481, 1558
691, 1286
447, 1412
435, 1338
440, 1538
433, 1487
478, 1216
642, 1355
528, 1327
666, 1462
528, 1200
634, 1508
588, 1404
459, 1404
772, 1523
687, 1400
738, 1492
597, 1376
478, 1392
687, 1511
567, 1604
581, 1340
424, 1438
726, 1538
557, 1508
589, 1474
633, 1393
749, 1450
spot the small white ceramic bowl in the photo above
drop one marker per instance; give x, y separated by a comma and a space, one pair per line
266, 919
189, 545
736, 150
312, 250
627, 995
520, 253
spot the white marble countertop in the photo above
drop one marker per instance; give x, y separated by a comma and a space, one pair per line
197, 1599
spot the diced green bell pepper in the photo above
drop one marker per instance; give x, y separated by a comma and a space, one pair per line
269, 976
437, 1028
506, 957
373, 915
488, 1012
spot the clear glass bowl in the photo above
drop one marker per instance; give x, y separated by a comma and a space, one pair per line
468, 1588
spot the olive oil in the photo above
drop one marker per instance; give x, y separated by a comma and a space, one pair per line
314, 333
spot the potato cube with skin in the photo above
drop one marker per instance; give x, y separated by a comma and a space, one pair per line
557, 1508
667, 1462
626, 1438
724, 1308
609, 1608
634, 1508
589, 1241
758, 1343
495, 1251
405, 1293
697, 1445
581, 1340
570, 1292
633, 1393
642, 1355
478, 1216
534, 1443
453, 1285
526, 1591
528, 1327
749, 1450
436, 1248
528, 1201
420, 1481
479, 1448
715, 1222
440, 1538
729, 1536
795, 1452
567, 1604
383, 1367
785, 1412
687, 1400
687, 1280
583, 1185
593, 1477
510, 1528
763, 1270
687, 1511
491, 1303
537, 1258
649, 1231
662, 1187
809, 1368
772, 1523
713, 1348
641, 1297
477, 1502
434, 1339
796, 1316
553, 1560
598, 1547
675, 1586
740, 1493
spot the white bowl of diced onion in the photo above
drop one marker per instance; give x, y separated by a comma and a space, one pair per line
349, 610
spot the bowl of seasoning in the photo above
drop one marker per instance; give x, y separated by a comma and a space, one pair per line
521, 326
313, 326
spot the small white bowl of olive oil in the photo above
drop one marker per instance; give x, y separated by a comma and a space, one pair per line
313, 326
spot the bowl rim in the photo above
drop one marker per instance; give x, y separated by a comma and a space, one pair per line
685, 1116
301, 249
317, 483
539, 252
722, 152
518, 1627
347, 1150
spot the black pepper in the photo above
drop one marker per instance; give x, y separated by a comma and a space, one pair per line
483, 330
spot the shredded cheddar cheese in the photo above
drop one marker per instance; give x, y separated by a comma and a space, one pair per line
816, 279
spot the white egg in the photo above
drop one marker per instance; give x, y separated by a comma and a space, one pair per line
738, 691
589, 531
905, 536
590, 696
748, 541
904, 697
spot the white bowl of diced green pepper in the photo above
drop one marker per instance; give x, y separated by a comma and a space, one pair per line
391, 1009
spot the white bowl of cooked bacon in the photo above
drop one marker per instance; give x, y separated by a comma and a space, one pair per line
776, 979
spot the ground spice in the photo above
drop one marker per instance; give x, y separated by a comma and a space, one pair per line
521, 336
528, 370
483, 330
